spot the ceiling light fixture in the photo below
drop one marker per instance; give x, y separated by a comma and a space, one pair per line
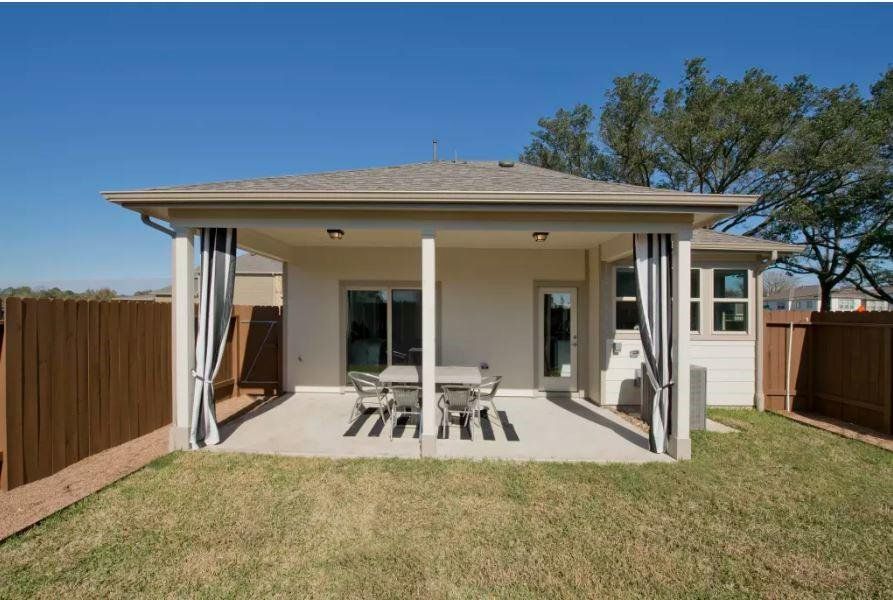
540, 236
335, 234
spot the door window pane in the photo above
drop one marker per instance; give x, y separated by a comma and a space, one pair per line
406, 332
729, 283
557, 334
730, 316
367, 330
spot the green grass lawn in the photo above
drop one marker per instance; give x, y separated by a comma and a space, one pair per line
777, 510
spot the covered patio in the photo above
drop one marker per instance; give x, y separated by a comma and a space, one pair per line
501, 267
548, 428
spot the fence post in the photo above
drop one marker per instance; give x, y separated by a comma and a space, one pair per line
887, 379
787, 367
810, 347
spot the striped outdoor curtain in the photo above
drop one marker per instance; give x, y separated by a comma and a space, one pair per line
654, 282
218, 274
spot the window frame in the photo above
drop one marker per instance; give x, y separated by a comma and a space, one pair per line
387, 286
747, 301
698, 328
615, 298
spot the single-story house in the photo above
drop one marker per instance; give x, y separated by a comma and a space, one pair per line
809, 297
521, 271
258, 283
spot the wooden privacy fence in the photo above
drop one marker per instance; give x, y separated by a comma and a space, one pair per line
838, 364
77, 377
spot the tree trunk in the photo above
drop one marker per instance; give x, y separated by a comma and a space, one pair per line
825, 300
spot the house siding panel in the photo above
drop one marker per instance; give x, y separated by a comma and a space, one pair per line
730, 371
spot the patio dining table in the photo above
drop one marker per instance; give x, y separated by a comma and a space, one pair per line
411, 375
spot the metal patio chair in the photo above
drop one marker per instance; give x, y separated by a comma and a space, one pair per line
487, 393
458, 400
368, 389
404, 400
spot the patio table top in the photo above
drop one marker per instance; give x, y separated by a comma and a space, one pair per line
442, 374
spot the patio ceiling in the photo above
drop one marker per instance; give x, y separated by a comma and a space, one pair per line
557, 240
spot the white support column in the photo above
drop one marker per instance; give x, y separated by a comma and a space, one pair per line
428, 437
593, 338
680, 442
183, 334
759, 399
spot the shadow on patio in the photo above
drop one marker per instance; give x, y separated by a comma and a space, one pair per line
552, 428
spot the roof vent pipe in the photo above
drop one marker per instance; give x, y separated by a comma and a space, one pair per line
434, 143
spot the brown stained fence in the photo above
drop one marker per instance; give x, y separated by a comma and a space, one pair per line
837, 364
77, 377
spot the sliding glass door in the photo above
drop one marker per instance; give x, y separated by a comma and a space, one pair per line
384, 327
406, 327
367, 330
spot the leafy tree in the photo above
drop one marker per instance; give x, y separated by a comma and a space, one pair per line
820, 160
717, 134
873, 274
831, 191
565, 143
628, 127
57, 293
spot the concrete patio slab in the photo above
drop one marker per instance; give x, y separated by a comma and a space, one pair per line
528, 429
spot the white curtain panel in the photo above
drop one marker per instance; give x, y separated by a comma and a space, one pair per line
218, 274
654, 281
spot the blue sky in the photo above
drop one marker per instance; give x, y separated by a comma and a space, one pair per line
105, 97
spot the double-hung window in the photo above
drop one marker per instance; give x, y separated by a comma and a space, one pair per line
695, 325
730, 300
626, 312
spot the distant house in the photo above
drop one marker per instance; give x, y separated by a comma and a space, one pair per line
258, 283
808, 297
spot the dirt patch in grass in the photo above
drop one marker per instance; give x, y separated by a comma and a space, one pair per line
778, 510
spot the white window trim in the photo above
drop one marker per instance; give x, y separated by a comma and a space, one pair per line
615, 298
746, 301
700, 300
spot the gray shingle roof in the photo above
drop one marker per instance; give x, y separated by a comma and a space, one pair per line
441, 176
708, 239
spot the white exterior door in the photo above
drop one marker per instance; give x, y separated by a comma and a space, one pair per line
557, 339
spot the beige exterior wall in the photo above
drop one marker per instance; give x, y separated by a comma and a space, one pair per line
487, 311
487, 301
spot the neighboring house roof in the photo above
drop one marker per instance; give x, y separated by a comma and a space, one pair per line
814, 291
707, 239
255, 264
247, 264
